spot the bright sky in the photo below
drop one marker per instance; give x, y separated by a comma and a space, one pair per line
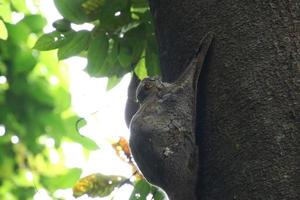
104, 112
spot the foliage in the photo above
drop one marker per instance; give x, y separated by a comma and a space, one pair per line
99, 185
35, 114
143, 189
122, 39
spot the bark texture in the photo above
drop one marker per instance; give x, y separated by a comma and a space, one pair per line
248, 105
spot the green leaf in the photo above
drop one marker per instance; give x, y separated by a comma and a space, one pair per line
145, 16
54, 122
74, 46
75, 136
135, 39
35, 22
112, 52
62, 98
62, 25
53, 40
92, 8
139, 3
18, 33
20, 5
97, 54
109, 21
151, 58
140, 69
25, 192
152, 63
72, 10
5, 12
97, 185
24, 61
112, 82
39, 90
86, 142
62, 181
80, 123
3, 31
141, 190
6, 166
131, 47
158, 194
125, 56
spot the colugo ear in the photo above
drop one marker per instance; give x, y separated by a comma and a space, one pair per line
146, 87
131, 104
193, 70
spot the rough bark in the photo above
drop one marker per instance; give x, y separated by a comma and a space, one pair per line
248, 113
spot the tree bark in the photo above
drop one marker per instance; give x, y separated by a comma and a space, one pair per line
248, 111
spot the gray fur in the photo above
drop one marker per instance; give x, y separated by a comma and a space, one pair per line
163, 141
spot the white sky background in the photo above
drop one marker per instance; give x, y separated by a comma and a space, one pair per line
104, 112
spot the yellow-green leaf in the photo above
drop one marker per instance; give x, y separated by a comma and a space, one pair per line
140, 69
5, 11
112, 82
97, 185
20, 5
3, 31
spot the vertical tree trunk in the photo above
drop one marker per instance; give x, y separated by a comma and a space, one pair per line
249, 96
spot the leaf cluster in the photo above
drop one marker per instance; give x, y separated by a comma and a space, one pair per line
34, 108
121, 40
34, 97
99, 185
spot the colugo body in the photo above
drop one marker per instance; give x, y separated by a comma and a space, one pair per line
163, 141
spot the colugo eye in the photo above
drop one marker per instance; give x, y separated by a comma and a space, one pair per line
148, 85
144, 90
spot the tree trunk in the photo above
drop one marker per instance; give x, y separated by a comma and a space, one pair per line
248, 103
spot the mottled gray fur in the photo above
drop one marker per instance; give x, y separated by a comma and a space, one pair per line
163, 141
